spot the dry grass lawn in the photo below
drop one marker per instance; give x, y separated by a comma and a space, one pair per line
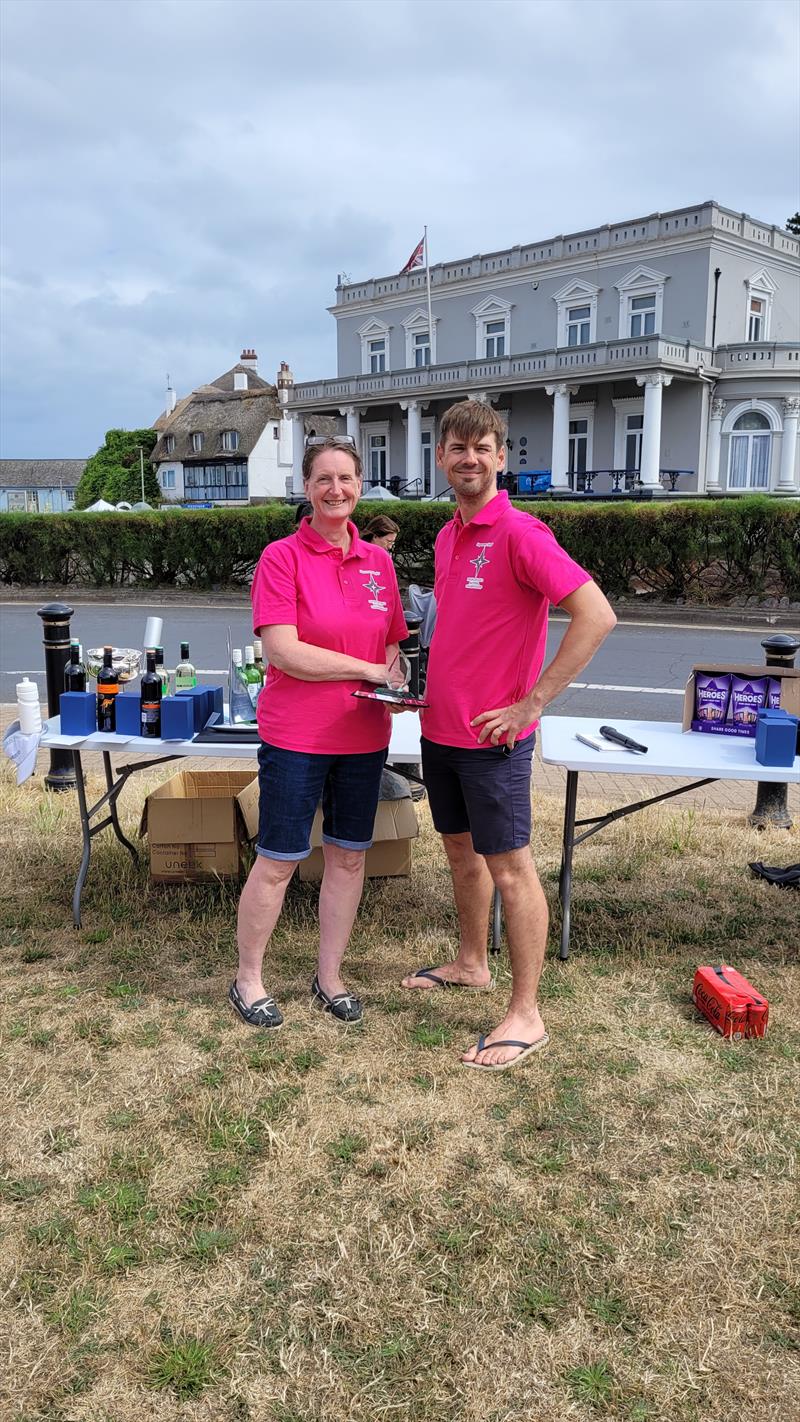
206, 1223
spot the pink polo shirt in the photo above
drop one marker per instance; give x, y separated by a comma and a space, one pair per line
345, 603
495, 579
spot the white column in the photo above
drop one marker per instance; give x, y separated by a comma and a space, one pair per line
713, 446
298, 442
413, 441
559, 459
653, 383
791, 416
353, 418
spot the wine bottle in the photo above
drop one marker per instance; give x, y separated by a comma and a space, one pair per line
241, 705
259, 658
151, 692
162, 671
252, 676
74, 671
107, 692
185, 675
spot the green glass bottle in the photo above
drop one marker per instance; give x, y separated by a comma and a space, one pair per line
185, 674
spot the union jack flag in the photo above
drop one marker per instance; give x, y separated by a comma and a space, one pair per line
417, 258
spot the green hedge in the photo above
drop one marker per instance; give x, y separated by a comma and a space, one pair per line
703, 550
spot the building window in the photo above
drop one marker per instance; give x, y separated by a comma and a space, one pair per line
755, 318
197, 442
634, 425
641, 303
168, 478
378, 459
750, 450
375, 347
427, 460
422, 348
492, 329
377, 356
230, 441
643, 315
494, 339
577, 314
216, 483
760, 291
579, 326
578, 446
169, 443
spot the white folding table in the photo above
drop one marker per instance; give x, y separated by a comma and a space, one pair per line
671, 752
404, 749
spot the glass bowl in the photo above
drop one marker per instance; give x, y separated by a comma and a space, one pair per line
126, 662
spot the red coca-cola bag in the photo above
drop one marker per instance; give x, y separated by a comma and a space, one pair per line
729, 1002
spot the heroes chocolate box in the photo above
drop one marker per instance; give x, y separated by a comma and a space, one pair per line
788, 677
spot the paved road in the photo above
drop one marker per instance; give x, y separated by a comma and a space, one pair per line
639, 673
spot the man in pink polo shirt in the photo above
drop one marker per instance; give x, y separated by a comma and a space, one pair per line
497, 572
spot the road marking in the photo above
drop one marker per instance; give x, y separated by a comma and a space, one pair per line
650, 690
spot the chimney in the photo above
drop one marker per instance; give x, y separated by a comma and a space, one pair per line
284, 382
172, 398
249, 359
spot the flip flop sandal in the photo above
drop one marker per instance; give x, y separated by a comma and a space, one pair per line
264, 1013
344, 1007
528, 1048
448, 982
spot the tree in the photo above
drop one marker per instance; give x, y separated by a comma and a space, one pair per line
113, 473
793, 224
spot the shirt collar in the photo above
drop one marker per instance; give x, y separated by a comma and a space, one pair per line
317, 544
490, 513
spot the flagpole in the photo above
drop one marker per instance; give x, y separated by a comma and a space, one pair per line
428, 285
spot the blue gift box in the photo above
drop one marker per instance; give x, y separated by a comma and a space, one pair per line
217, 694
201, 699
78, 713
177, 718
128, 710
776, 737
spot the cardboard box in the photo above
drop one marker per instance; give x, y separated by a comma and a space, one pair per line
390, 856
198, 824
729, 1002
790, 695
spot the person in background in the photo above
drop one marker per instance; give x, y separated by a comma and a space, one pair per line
382, 532
327, 609
497, 572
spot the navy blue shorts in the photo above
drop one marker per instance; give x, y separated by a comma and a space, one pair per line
485, 792
291, 784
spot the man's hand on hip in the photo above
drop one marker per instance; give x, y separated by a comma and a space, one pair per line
506, 723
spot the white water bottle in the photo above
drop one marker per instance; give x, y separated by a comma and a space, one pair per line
28, 711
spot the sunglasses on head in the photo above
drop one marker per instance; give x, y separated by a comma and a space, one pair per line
346, 440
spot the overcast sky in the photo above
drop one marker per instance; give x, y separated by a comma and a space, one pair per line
183, 178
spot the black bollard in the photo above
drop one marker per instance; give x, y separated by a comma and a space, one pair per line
55, 623
410, 647
772, 805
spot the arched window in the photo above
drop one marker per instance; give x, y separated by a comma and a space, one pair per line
751, 446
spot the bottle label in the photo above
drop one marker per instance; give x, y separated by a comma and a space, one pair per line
254, 689
151, 717
184, 683
107, 690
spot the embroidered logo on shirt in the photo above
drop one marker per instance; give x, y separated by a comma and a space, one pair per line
476, 581
373, 587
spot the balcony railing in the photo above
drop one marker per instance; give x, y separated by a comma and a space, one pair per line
760, 355
602, 358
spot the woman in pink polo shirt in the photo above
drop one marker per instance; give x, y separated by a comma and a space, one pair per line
327, 608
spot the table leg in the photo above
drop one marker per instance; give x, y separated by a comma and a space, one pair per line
565, 878
87, 840
113, 792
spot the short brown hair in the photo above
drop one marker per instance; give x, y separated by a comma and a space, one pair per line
472, 420
379, 527
335, 442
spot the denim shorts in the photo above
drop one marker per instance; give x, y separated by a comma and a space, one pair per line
485, 792
291, 785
